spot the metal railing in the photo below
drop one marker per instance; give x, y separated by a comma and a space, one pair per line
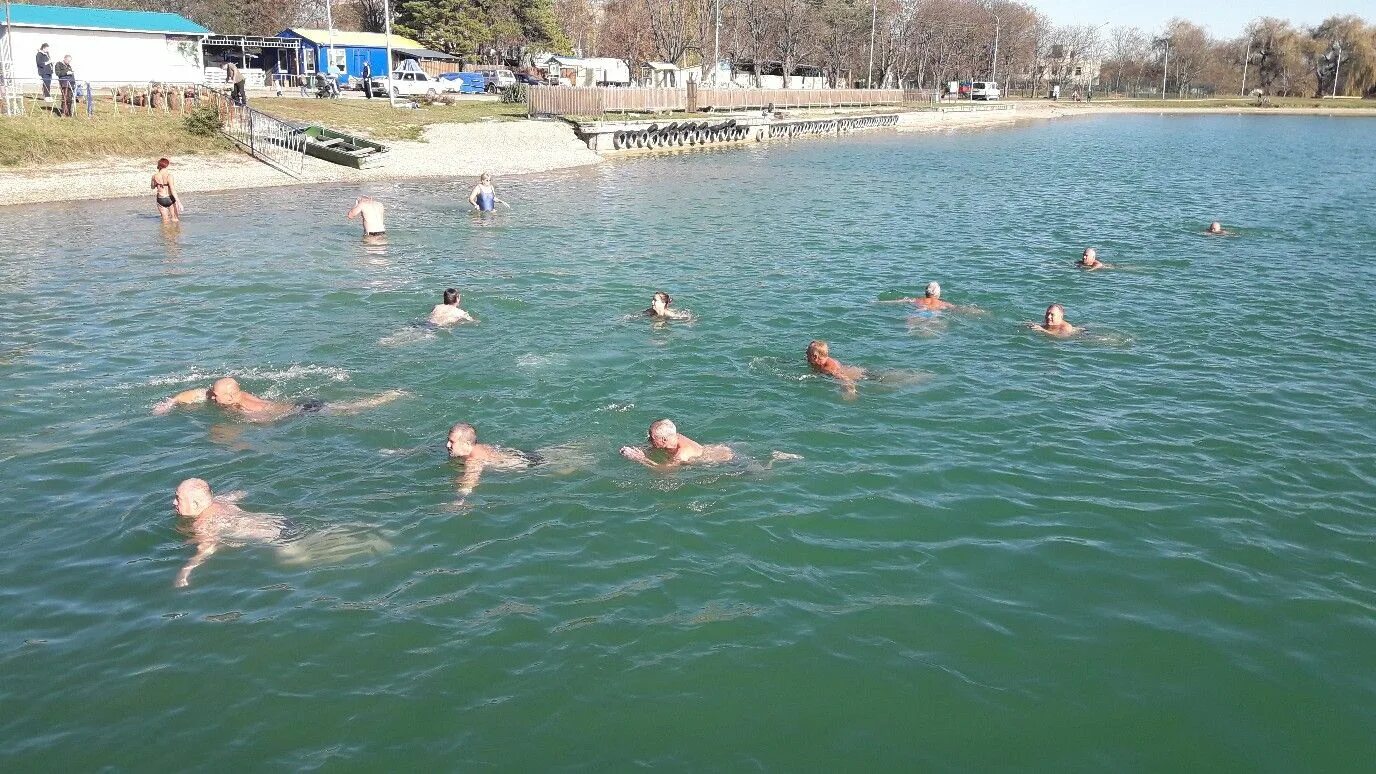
269, 139
598, 100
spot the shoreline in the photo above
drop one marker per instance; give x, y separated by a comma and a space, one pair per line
503, 148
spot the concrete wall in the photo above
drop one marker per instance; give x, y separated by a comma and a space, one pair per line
108, 57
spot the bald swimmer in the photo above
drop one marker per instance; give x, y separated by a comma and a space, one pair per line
675, 449
1054, 323
1089, 261
449, 313
463, 445
1216, 229
227, 394
819, 357
931, 301
216, 520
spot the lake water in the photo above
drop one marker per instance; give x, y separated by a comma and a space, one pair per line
1148, 549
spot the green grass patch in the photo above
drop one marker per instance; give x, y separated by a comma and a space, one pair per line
377, 119
35, 140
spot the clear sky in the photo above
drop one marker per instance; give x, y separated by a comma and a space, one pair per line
1223, 19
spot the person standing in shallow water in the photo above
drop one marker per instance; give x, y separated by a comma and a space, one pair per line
484, 196
164, 194
371, 211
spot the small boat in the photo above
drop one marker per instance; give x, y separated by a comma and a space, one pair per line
345, 149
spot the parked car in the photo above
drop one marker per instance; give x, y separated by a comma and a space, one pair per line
529, 80
463, 83
500, 79
985, 90
408, 83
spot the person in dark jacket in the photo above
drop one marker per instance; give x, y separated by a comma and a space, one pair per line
44, 62
367, 81
66, 81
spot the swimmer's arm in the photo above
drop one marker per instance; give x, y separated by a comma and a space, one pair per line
471, 472
203, 552
357, 210
636, 454
185, 398
473, 197
466, 316
898, 301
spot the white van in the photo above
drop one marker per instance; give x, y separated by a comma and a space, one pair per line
985, 90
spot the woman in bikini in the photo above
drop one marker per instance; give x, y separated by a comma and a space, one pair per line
162, 190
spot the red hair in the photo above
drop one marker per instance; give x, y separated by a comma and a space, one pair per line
163, 163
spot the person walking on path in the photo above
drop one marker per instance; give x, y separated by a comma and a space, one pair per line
367, 80
66, 81
44, 62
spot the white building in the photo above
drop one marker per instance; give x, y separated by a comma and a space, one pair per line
107, 47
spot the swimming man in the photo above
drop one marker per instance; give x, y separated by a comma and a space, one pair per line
659, 308
931, 301
218, 519
227, 394
449, 313
371, 209
680, 449
819, 357
463, 445
1089, 260
1054, 323
1216, 229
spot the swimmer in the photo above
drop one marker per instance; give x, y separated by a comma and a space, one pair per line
1054, 323
371, 209
1089, 260
168, 206
484, 196
463, 445
227, 394
659, 308
1216, 229
218, 519
931, 301
819, 357
449, 313
681, 449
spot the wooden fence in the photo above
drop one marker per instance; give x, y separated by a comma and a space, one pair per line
598, 100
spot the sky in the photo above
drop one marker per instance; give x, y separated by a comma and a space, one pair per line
1223, 19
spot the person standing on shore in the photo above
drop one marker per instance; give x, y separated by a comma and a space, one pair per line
484, 196
168, 206
236, 80
66, 82
44, 63
374, 230
367, 80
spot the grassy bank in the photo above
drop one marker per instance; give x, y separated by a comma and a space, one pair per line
35, 140
379, 120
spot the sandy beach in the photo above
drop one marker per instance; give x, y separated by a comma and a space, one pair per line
503, 148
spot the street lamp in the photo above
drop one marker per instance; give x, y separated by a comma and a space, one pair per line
1165, 42
994, 59
387, 30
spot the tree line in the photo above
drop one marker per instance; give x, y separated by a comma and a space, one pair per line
890, 43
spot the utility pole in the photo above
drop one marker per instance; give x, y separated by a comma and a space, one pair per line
329, 56
716, 46
994, 62
1165, 66
387, 30
1246, 60
1338, 44
874, 18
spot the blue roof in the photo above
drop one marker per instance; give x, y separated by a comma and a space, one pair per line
102, 19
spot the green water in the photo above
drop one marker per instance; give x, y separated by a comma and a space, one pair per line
1150, 549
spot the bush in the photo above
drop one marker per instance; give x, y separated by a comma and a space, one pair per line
514, 94
203, 121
